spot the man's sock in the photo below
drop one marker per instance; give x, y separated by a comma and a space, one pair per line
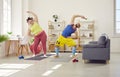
57, 51
73, 50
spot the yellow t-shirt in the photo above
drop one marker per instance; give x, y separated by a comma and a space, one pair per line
35, 28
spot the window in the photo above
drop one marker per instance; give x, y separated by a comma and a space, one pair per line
6, 16
117, 16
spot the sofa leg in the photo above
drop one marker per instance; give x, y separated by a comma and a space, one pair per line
107, 61
85, 61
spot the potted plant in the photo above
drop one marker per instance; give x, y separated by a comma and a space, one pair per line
3, 38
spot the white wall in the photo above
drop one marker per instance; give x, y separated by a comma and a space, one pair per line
19, 16
99, 10
102, 11
25, 5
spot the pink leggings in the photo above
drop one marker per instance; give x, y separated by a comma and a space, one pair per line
41, 37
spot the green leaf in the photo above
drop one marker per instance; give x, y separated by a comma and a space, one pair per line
9, 32
3, 38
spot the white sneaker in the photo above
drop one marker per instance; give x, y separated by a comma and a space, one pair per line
33, 55
45, 56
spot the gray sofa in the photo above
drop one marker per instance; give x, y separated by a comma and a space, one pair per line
97, 50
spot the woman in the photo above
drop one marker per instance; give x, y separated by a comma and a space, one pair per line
37, 32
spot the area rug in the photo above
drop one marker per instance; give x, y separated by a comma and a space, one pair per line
38, 57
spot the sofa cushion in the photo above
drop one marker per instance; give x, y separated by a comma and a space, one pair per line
102, 40
93, 46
